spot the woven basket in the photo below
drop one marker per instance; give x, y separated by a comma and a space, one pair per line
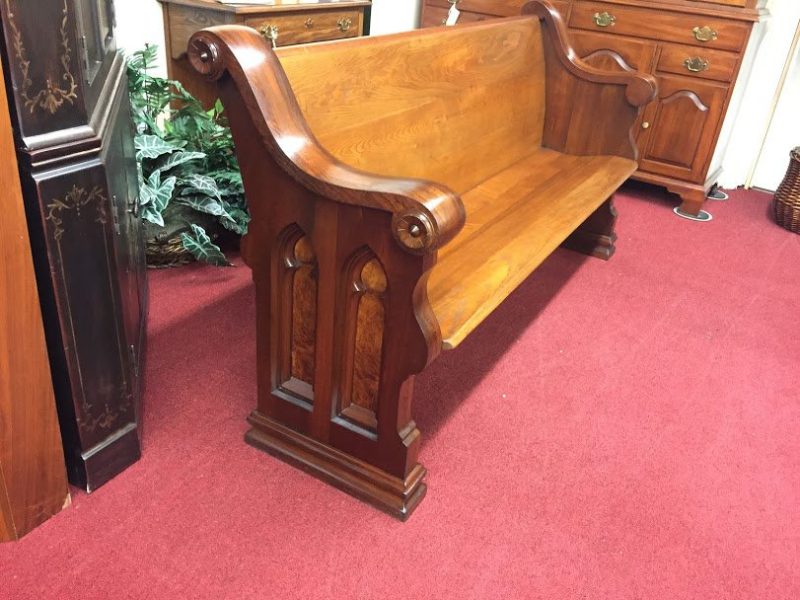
162, 254
786, 205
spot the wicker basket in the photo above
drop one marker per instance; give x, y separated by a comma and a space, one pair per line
786, 205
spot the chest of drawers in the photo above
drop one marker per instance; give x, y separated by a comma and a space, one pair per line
693, 47
284, 23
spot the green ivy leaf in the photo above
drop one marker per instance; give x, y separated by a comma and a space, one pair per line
179, 158
237, 220
196, 183
205, 204
151, 214
152, 146
202, 248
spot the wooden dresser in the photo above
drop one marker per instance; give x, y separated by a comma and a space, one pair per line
693, 47
285, 22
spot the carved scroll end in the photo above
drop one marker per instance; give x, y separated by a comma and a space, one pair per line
641, 90
205, 55
414, 231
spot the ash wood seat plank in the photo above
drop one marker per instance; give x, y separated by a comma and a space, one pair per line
515, 220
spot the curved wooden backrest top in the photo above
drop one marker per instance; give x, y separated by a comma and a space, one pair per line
453, 105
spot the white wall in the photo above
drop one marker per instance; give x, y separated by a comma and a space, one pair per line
391, 16
784, 133
141, 21
750, 111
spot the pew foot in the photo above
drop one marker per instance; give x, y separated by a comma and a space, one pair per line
596, 236
395, 496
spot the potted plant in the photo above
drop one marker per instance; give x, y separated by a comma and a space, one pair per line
190, 186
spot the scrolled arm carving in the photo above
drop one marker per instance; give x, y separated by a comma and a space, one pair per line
641, 88
205, 57
425, 215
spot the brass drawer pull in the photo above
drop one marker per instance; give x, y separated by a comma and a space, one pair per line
704, 34
604, 19
696, 64
344, 24
309, 23
646, 125
270, 32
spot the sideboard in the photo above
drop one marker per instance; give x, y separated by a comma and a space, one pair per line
693, 47
284, 23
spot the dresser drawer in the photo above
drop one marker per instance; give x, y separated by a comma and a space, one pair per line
697, 62
708, 32
300, 28
437, 15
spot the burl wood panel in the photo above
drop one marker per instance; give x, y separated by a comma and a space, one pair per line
304, 311
366, 318
33, 482
409, 115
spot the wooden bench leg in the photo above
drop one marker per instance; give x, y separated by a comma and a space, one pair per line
596, 234
343, 325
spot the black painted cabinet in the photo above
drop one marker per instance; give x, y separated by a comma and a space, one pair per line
74, 145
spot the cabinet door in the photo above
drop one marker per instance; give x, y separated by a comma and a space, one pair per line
95, 34
96, 45
128, 239
682, 127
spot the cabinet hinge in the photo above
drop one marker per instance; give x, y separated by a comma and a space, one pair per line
134, 362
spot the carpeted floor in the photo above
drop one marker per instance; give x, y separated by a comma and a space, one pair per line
622, 430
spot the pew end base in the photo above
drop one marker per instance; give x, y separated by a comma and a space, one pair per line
598, 246
596, 236
394, 496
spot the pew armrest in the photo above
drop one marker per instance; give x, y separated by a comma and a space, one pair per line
589, 110
425, 215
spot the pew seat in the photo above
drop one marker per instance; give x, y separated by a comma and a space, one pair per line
515, 220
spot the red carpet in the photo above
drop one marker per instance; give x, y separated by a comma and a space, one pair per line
622, 430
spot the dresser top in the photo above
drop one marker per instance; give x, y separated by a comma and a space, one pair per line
277, 5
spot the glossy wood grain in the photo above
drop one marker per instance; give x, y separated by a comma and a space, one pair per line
515, 220
425, 146
33, 484
490, 81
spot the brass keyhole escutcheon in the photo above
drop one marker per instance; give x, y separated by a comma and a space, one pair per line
604, 19
270, 32
696, 64
309, 23
344, 24
704, 34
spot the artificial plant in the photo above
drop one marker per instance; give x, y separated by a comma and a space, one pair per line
186, 160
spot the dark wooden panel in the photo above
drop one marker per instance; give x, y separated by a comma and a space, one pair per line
44, 65
79, 181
